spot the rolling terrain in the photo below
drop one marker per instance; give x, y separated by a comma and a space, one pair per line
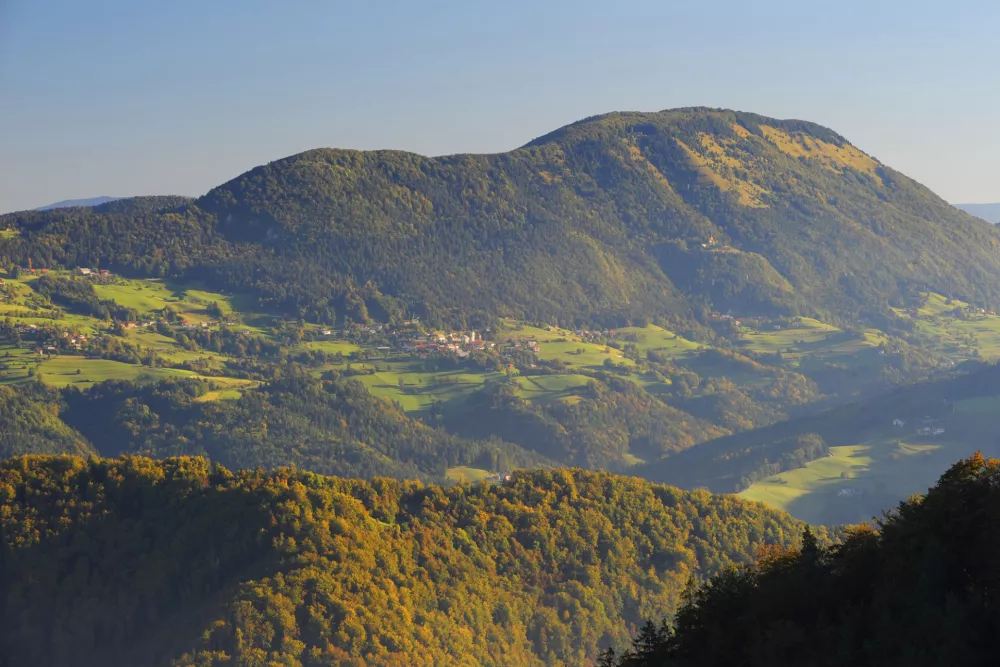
641, 290
179, 562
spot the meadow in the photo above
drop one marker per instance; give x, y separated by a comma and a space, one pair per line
149, 295
856, 482
463, 474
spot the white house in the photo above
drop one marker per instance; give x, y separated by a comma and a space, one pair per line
898, 423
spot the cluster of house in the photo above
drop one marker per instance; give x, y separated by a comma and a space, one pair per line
498, 477
923, 430
91, 273
456, 343
43, 338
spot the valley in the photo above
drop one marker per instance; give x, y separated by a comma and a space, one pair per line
442, 378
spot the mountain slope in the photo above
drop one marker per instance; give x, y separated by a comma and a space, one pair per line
618, 217
174, 562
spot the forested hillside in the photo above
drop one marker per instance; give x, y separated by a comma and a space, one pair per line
179, 562
325, 427
917, 590
617, 218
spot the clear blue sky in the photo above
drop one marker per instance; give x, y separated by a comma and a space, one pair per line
126, 97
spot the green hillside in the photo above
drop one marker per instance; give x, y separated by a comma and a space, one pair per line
178, 562
627, 216
845, 464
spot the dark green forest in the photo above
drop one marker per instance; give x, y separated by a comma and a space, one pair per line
917, 589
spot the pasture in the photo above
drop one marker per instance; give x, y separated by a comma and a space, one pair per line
147, 296
463, 474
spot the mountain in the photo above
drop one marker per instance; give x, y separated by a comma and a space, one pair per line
616, 218
177, 562
90, 203
915, 590
988, 212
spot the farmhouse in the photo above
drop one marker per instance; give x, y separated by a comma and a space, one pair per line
84, 271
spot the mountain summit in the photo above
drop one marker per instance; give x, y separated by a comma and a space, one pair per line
614, 218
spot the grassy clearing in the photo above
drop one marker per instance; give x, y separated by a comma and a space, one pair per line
958, 338
547, 388
809, 339
220, 395
656, 338
62, 371
890, 466
8, 233
415, 389
465, 474
15, 363
329, 346
151, 295
856, 482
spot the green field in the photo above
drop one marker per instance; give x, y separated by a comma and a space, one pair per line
875, 475
147, 296
329, 346
974, 334
220, 395
15, 362
891, 465
546, 388
416, 389
464, 474
8, 233
62, 371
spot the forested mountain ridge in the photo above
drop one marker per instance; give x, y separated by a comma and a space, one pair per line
626, 216
179, 562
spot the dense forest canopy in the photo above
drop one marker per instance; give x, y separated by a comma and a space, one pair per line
179, 562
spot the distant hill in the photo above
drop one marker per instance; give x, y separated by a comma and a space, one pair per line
93, 201
612, 219
988, 212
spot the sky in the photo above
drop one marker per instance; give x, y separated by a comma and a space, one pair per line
121, 98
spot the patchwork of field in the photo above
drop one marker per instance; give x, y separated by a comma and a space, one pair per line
952, 328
